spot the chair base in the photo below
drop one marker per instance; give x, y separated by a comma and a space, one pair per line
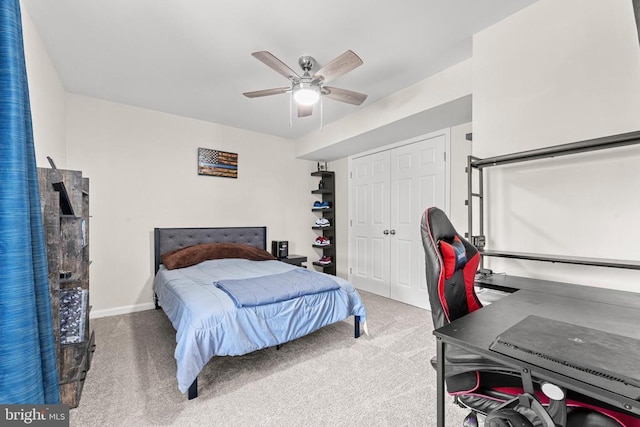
482, 408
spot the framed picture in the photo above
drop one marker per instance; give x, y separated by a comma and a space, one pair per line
217, 163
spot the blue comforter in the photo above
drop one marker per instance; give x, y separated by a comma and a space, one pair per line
276, 287
208, 323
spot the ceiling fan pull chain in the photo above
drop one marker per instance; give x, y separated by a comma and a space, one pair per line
290, 110
321, 114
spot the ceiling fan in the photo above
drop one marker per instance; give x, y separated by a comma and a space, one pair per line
307, 89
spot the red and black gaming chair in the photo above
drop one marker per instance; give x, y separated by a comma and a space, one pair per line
484, 386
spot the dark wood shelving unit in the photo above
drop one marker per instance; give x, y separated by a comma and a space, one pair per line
64, 199
327, 194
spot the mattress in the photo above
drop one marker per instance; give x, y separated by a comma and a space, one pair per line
209, 324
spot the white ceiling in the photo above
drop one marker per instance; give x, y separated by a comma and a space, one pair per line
193, 57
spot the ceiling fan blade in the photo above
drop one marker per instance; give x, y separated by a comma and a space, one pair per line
339, 66
305, 110
266, 92
344, 95
273, 62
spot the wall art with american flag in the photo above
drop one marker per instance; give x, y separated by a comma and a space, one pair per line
217, 163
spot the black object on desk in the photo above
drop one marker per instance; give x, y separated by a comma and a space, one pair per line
585, 354
280, 248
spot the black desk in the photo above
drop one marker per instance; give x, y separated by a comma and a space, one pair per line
607, 310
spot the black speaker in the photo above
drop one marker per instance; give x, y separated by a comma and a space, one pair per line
280, 248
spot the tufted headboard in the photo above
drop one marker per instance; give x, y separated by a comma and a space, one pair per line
169, 239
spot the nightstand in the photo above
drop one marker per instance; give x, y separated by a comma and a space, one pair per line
294, 259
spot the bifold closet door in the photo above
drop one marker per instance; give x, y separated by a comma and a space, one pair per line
417, 182
370, 223
390, 191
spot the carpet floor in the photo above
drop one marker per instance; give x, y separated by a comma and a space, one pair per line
327, 378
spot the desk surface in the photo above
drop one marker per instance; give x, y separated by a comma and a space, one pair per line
611, 311
514, 283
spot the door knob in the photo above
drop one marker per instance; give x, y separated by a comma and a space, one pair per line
385, 232
393, 232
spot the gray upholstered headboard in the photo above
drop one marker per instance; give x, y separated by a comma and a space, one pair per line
169, 239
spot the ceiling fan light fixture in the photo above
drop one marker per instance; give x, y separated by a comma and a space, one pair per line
306, 93
307, 89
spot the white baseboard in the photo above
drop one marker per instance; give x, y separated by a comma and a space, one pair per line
121, 310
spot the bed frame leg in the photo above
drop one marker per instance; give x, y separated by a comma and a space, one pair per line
356, 326
193, 389
155, 300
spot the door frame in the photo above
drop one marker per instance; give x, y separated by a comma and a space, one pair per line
446, 132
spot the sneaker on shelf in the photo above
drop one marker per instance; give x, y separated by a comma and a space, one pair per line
325, 260
324, 205
322, 241
322, 222
317, 204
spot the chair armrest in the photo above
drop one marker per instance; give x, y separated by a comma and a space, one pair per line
460, 356
465, 371
458, 360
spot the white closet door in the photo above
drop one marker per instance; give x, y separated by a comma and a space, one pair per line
370, 218
417, 182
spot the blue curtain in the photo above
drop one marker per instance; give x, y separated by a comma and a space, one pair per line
28, 372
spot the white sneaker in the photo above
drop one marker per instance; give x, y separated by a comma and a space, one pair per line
322, 241
322, 222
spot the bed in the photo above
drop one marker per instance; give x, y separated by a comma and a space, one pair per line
213, 315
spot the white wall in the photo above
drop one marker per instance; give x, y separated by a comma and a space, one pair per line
558, 72
47, 97
142, 167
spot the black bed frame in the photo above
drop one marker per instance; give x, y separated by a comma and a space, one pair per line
169, 239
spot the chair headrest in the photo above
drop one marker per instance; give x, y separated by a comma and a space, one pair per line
454, 255
440, 226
